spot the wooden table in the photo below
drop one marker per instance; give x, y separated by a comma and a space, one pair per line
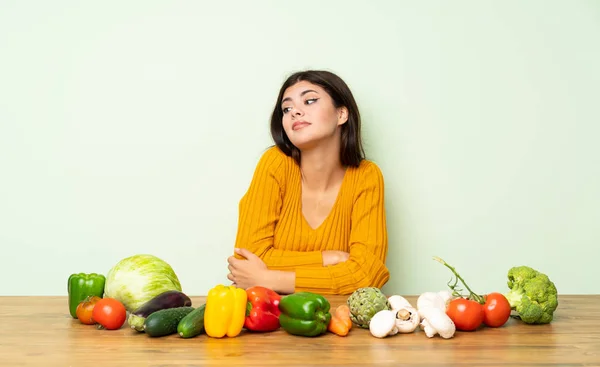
38, 331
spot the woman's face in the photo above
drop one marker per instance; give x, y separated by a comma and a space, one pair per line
309, 115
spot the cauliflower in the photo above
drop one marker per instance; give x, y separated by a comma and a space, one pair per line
533, 295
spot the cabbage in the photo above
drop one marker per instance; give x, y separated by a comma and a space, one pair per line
137, 279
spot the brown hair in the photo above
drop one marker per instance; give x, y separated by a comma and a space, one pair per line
351, 149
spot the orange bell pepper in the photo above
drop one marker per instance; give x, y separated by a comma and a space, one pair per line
225, 311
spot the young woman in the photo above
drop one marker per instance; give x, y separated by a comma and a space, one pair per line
313, 218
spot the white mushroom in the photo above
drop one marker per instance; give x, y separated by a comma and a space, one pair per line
446, 296
435, 321
407, 319
398, 302
383, 324
431, 300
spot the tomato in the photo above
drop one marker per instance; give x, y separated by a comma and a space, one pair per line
466, 314
496, 310
85, 308
109, 313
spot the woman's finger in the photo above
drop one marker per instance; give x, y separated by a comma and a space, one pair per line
246, 253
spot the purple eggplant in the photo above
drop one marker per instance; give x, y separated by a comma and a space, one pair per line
168, 299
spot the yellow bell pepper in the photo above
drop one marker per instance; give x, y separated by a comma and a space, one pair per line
225, 311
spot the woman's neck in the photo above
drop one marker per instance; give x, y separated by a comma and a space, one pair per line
321, 168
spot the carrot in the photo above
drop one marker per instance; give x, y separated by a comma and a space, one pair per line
340, 323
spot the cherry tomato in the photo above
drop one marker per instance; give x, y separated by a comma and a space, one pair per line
85, 309
496, 310
466, 314
109, 313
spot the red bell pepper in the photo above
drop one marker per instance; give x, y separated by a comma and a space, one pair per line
262, 311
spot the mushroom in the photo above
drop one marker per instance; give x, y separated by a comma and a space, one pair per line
407, 319
435, 321
383, 324
398, 302
446, 296
431, 299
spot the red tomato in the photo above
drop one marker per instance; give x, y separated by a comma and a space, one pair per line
496, 310
85, 308
109, 313
466, 314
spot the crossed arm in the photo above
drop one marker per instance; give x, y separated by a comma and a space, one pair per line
252, 271
257, 262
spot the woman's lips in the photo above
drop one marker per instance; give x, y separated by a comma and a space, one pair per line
299, 125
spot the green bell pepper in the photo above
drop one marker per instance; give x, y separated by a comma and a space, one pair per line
304, 314
82, 285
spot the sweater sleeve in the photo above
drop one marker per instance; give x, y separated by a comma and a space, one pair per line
259, 211
368, 246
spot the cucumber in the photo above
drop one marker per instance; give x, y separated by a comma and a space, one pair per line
168, 299
164, 322
192, 324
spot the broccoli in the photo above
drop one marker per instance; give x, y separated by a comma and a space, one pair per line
533, 295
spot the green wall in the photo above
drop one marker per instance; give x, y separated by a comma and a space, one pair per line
134, 127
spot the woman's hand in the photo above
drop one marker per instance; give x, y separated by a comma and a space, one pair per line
334, 257
246, 273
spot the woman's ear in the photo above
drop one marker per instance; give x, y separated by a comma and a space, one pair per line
342, 115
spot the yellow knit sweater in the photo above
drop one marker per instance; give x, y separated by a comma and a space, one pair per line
272, 226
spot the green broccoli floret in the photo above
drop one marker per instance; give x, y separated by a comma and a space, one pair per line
533, 295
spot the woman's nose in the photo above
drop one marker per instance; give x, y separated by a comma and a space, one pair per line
297, 112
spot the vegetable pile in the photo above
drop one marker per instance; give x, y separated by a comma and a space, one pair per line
144, 292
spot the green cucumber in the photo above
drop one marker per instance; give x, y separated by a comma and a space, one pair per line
192, 324
164, 322
168, 299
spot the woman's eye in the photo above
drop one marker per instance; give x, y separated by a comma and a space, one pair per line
286, 109
311, 101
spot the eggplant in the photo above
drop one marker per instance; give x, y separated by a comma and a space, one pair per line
168, 299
